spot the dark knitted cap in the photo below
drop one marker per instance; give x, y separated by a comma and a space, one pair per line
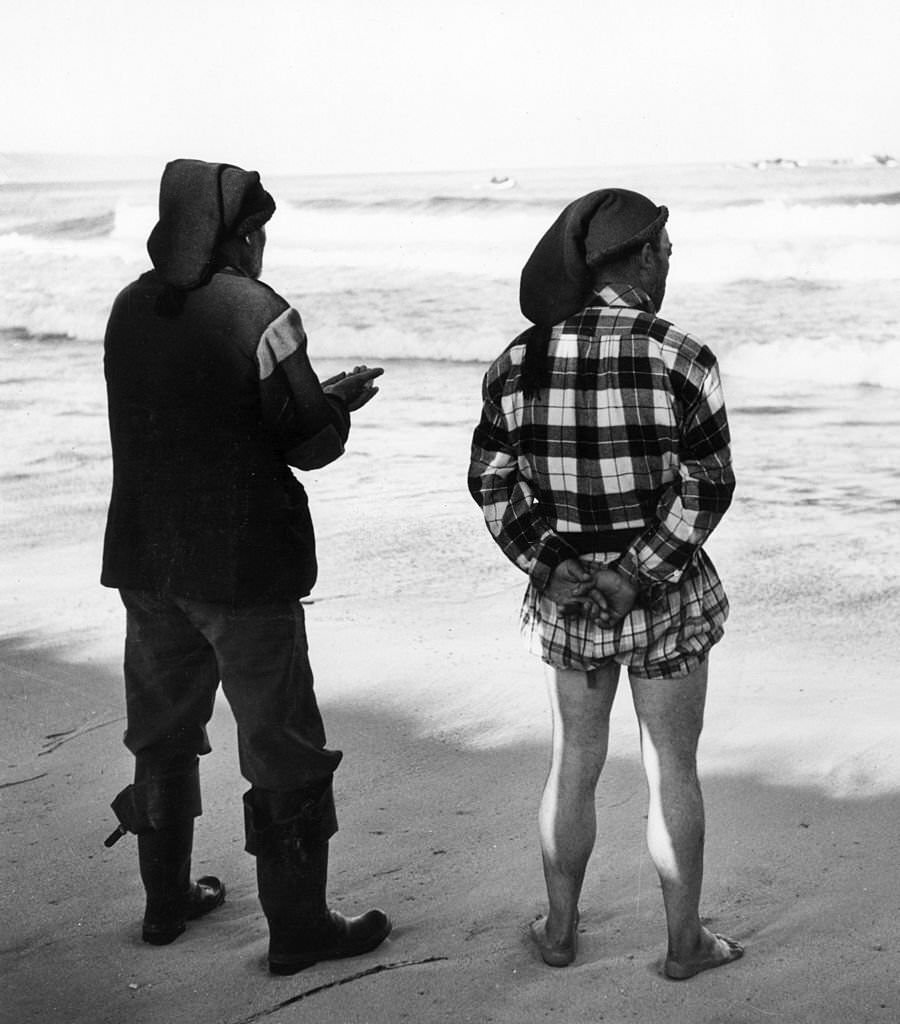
595, 229
200, 205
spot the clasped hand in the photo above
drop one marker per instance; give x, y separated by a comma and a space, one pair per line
355, 387
601, 594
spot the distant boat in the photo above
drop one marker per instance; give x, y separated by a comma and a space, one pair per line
778, 161
876, 159
502, 181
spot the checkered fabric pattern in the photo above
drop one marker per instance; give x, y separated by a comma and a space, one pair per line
659, 639
630, 435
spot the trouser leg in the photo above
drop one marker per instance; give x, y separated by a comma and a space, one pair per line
264, 665
261, 655
170, 683
171, 678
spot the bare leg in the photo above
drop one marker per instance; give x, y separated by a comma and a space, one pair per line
581, 704
670, 714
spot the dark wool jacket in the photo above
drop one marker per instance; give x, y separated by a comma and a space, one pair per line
207, 410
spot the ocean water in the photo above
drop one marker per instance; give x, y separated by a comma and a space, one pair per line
791, 275
794, 268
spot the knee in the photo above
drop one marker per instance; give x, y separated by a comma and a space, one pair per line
674, 759
578, 767
673, 782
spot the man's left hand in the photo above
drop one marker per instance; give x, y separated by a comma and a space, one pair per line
355, 387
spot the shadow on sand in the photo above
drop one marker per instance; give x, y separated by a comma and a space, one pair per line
444, 838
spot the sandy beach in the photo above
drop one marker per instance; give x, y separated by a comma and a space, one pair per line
442, 718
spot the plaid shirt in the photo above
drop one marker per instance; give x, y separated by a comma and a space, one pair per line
630, 435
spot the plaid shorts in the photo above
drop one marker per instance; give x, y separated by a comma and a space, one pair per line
667, 635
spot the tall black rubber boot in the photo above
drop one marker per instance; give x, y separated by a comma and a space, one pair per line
173, 899
292, 876
161, 812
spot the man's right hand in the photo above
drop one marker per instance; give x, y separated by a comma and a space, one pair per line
608, 598
619, 594
571, 587
355, 387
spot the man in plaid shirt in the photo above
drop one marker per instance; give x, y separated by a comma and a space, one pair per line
602, 464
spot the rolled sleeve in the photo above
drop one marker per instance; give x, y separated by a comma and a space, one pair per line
310, 427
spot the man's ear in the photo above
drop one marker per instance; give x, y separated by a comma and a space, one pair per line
648, 256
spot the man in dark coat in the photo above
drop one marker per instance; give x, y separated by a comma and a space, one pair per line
209, 540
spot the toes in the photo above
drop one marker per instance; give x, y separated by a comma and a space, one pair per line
733, 949
729, 950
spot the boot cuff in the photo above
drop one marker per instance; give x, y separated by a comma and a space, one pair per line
159, 802
272, 819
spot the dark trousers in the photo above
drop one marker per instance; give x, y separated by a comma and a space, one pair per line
177, 651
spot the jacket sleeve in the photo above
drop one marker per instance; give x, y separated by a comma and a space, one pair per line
506, 496
691, 507
309, 426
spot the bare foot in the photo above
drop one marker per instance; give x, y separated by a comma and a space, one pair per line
554, 954
713, 951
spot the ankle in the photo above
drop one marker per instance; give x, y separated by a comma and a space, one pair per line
560, 926
690, 942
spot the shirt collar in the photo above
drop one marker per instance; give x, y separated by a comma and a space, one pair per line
623, 295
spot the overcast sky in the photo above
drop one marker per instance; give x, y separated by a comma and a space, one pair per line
361, 85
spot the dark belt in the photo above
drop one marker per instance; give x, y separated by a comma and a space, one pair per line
600, 540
